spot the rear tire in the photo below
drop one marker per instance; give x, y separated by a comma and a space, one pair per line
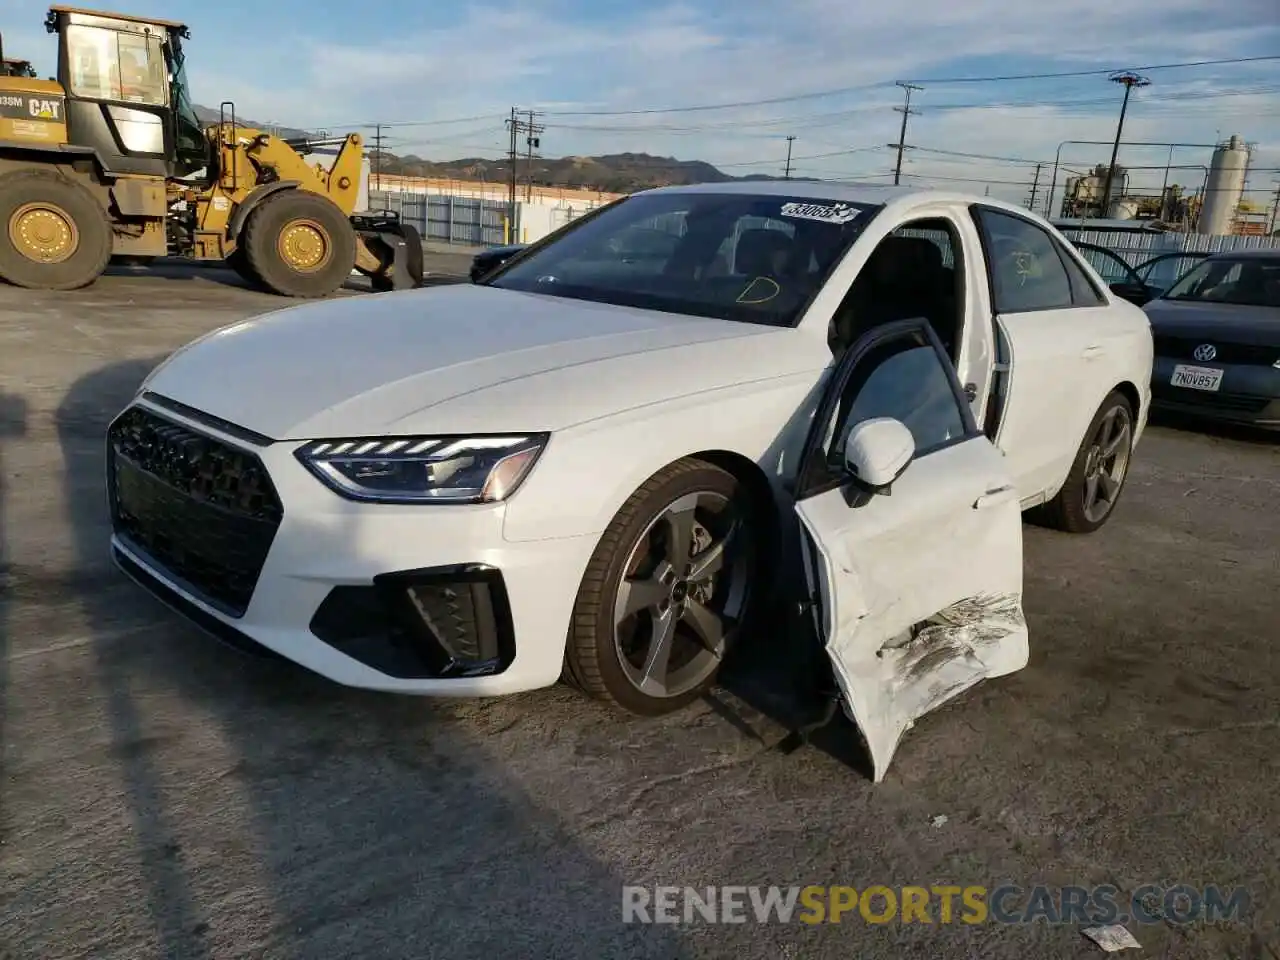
54, 235
643, 557
1093, 487
299, 244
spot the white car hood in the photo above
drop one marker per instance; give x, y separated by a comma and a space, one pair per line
392, 363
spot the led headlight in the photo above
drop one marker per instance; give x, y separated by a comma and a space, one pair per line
424, 469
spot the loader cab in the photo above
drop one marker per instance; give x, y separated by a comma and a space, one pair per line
127, 93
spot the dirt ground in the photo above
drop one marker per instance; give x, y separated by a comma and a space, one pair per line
162, 796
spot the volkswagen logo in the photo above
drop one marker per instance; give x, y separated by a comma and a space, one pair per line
1206, 351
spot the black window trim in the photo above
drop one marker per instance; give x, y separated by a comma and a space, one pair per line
1101, 299
960, 266
984, 238
812, 478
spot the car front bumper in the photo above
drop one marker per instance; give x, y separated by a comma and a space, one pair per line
1249, 394
424, 599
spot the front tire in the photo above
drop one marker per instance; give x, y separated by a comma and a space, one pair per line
668, 591
1093, 487
300, 244
54, 235
239, 262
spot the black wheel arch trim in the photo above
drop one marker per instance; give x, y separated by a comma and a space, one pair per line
254, 200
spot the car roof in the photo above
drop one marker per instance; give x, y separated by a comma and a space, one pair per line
902, 197
1256, 253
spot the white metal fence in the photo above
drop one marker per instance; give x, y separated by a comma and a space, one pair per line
445, 219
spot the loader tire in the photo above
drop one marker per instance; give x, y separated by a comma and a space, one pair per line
54, 235
300, 245
240, 264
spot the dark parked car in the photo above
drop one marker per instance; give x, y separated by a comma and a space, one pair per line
491, 259
1217, 340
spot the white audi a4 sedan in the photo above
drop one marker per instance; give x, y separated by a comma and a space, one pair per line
600, 462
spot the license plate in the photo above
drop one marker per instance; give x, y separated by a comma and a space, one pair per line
1196, 378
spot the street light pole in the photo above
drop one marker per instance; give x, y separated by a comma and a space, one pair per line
1129, 80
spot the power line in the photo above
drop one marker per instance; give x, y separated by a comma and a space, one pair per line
1096, 73
824, 118
837, 91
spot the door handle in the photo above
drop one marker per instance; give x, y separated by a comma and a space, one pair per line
971, 392
1091, 351
995, 497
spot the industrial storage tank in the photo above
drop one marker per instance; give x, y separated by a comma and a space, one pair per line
1225, 187
1125, 208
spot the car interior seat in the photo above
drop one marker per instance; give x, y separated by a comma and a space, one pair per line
764, 253
903, 278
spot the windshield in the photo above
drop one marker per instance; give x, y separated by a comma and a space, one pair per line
188, 134
1253, 282
746, 257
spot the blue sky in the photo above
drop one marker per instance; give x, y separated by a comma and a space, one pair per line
426, 67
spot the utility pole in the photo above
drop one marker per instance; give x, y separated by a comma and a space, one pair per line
786, 174
1129, 81
906, 112
1035, 186
1275, 209
514, 123
533, 140
377, 156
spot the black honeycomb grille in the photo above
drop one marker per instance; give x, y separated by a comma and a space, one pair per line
1184, 348
204, 512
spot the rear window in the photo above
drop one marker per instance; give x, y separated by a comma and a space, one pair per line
745, 257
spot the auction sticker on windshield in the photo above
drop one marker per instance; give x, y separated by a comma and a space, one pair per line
1196, 378
826, 213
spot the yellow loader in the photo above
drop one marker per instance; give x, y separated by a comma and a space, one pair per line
110, 160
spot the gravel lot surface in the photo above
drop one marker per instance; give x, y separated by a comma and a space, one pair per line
162, 796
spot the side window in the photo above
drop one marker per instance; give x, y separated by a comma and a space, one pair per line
904, 378
1083, 292
116, 65
1026, 272
939, 236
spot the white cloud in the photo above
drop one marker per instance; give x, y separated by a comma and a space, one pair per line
498, 53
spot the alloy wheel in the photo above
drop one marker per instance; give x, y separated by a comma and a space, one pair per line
682, 594
1107, 463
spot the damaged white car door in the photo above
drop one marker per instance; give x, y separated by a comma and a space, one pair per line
916, 536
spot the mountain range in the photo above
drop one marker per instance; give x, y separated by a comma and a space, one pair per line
611, 173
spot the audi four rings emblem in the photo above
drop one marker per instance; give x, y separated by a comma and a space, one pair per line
1206, 351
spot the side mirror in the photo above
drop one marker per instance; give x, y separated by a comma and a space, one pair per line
1136, 293
877, 451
